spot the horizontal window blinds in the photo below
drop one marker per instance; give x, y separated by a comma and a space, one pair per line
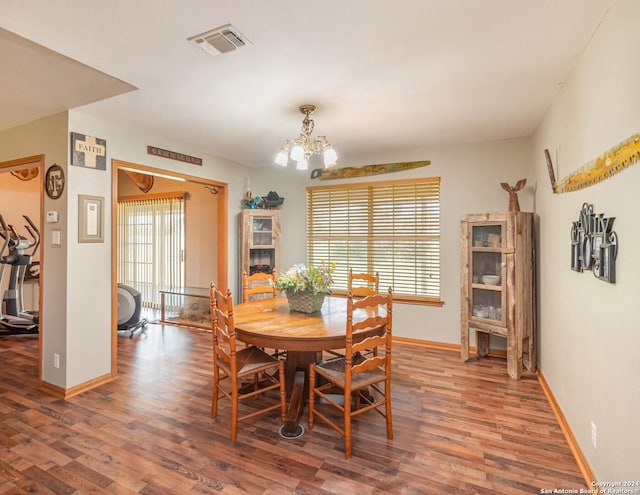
392, 227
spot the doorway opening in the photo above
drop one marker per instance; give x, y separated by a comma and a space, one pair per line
22, 195
204, 255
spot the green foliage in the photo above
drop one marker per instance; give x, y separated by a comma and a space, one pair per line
314, 279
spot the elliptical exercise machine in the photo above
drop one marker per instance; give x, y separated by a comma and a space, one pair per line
17, 320
129, 309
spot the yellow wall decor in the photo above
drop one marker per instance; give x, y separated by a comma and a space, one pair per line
612, 161
366, 170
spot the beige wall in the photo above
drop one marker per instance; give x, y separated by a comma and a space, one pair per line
589, 329
201, 237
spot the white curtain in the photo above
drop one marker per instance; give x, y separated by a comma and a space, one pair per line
151, 246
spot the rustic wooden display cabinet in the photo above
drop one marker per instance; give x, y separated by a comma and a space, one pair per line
259, 231
497, 285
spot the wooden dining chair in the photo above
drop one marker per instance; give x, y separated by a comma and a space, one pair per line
231, 365
263, 284
365, 283
259, 286
365, 379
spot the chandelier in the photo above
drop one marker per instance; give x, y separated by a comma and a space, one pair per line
301, 149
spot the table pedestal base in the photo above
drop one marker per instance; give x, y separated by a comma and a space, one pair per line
299, 431
297, 399
296, 377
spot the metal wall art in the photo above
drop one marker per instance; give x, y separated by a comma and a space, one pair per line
594, 245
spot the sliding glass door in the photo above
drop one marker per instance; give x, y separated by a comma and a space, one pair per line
151, 246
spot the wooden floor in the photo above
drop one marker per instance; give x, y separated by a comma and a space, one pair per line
459, 428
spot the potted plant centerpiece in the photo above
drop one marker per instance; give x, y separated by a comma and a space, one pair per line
306, 286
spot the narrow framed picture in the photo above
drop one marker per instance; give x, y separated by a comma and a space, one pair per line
90, 218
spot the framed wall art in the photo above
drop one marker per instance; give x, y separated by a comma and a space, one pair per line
90, 218
88, 151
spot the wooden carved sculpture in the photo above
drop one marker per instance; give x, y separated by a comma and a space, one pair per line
26, 173
366, 170
144, 182
513, 193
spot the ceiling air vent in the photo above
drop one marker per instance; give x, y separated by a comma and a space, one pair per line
220, 40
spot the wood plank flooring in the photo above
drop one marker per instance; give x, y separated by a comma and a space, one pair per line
459, 428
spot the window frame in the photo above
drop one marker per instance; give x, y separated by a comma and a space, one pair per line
371, 196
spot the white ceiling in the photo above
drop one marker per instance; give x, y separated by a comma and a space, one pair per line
384, 74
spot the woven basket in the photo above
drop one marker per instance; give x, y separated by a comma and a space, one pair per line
304, 302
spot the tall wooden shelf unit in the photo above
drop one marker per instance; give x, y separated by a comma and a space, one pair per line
259, 231
499, 245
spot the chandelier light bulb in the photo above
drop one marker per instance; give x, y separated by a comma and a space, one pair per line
282, 158
302, 164
297, 152
329, 156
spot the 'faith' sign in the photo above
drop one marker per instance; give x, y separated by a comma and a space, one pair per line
88, 151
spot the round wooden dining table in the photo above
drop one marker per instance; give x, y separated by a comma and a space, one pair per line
269, 323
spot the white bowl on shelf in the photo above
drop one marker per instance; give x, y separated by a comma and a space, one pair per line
491, 279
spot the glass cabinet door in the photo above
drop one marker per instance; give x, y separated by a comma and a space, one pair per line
489, 236
487, 272
262, 231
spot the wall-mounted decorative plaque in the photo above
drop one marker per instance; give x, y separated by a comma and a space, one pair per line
54, 181
594, 245
88, 151
173, 155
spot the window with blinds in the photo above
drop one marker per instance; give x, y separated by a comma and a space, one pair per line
390, 227
151, 246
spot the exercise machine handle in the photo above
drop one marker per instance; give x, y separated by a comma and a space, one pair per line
4, 226
6, 236
33, 232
